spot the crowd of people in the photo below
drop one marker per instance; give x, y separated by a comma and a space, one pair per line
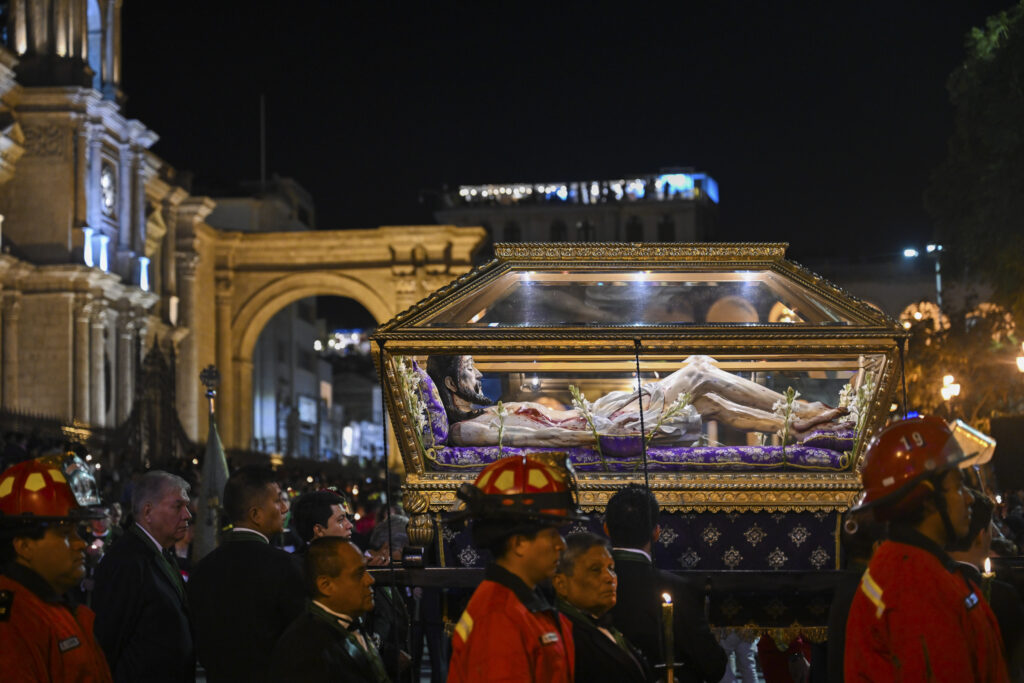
288, 594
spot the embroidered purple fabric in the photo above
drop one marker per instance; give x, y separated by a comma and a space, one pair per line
703, 458
835, 440
435, 432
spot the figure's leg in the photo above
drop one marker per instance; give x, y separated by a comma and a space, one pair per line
700, 377
715, 407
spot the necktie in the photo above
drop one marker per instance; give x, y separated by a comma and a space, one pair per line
171, 562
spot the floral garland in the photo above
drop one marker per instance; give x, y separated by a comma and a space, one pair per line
784, 409
502, 413
580, 403
682, 401
857, 402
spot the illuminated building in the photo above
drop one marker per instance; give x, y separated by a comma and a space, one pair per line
91, 271
671, 206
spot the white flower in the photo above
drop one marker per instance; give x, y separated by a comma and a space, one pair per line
784, 409
846, 394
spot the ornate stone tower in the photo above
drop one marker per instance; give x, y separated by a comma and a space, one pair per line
88, 273
79, 194
67, 42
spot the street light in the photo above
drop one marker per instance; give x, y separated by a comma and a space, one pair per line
950, 388
1020, 359
934, 251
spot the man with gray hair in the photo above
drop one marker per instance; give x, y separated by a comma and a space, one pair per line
142, 620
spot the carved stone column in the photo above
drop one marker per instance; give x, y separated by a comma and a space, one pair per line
138, 218
229, 399
94, 208
125, 168
125, 366
83, 312
244, 401
97, 370
12, 311
188, 357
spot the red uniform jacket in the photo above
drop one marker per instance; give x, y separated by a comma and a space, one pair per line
510, 633
43, 639
916, 619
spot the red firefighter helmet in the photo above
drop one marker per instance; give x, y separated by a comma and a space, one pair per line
47, 489
523, 488
902, 461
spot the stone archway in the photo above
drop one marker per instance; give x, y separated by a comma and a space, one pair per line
255, 275
258, 311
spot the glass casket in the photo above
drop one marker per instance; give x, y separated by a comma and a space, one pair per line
760, 381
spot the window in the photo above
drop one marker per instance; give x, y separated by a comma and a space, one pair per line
559, 231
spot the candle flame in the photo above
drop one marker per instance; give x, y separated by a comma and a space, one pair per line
668, 598
988, 565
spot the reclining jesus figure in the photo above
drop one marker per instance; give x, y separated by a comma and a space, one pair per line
715, 395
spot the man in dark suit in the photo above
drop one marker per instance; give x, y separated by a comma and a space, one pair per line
246, 592
585, 584
142, 615
631, 523
326, 642
1003, 597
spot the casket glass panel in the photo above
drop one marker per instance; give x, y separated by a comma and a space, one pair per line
529, 298
731, 412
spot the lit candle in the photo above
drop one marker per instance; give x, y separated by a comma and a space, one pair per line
986, 580
666, 620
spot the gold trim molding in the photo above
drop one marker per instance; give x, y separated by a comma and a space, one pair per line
778, 492
615, 251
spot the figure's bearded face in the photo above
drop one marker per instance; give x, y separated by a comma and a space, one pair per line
467, 383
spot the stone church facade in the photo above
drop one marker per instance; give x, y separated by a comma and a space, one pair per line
105, 256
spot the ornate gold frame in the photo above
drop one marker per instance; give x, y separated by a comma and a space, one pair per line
872, 332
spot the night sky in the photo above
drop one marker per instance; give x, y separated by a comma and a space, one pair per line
820, 122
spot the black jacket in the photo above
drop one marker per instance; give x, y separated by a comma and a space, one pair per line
142, 616
317, 649
598, 658
244, 595
637, 614
1006, 604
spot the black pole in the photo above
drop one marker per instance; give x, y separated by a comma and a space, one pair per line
903, 376
640, 403
387, 511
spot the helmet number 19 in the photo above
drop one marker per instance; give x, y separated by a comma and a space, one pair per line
915, 437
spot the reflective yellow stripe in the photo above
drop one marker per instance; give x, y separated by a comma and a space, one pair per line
464, 627
873, 592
